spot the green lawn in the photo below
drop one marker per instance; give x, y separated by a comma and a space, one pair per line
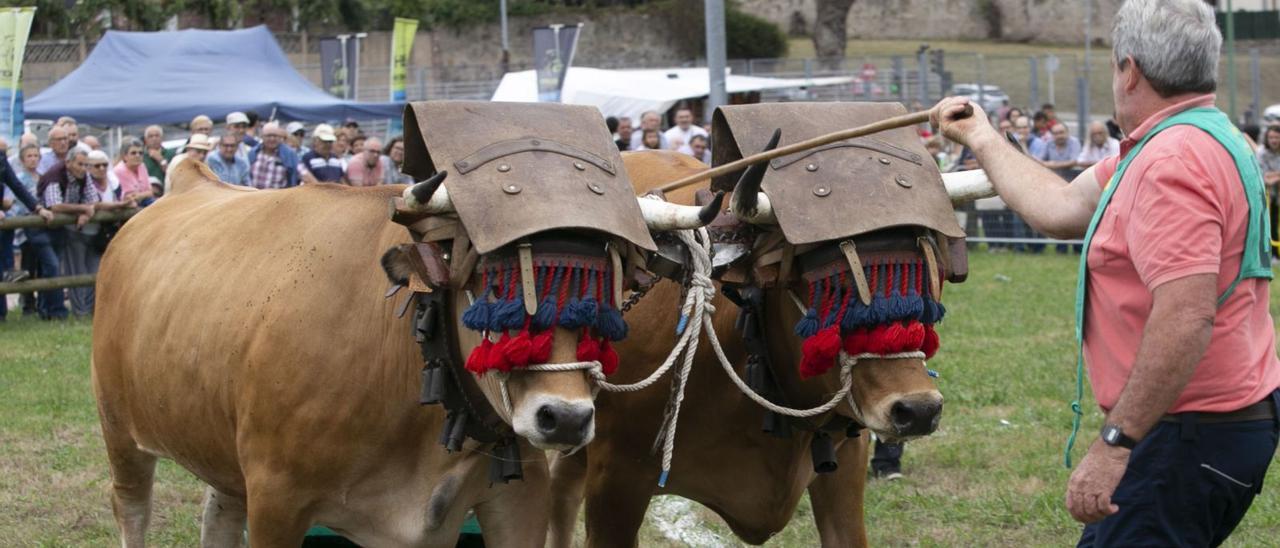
991, 476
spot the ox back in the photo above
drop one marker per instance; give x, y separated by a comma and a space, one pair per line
245, 336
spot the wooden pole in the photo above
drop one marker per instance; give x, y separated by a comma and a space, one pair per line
45, 284
860, 131
62, 219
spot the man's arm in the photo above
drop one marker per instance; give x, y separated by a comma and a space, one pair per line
1173, 342
1175, 339
1038, 195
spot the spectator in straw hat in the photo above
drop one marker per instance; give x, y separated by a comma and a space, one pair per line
197, 148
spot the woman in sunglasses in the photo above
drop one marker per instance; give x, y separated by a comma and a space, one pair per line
132, 174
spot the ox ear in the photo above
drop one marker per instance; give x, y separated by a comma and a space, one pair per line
398, 265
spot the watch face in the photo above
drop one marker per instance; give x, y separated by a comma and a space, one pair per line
1110, 434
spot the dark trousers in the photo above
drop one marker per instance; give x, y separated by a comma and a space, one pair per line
31, 265
1188, 484
44, 244
6, 264
886, 455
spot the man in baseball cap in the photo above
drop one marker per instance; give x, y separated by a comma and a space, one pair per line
295, 133
321, 165
237, 124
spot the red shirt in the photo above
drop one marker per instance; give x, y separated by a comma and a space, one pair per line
1180, 211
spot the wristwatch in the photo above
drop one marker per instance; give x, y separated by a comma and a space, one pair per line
1112, 435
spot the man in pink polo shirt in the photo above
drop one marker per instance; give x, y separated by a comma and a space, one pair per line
1177, 336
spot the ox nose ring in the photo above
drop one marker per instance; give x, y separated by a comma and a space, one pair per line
564, 424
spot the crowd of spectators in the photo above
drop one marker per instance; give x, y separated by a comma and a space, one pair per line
75, 176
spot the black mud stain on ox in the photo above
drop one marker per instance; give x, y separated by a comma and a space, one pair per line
441, 500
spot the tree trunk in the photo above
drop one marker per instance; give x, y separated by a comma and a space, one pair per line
829, 36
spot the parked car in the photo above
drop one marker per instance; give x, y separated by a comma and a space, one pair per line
992, 96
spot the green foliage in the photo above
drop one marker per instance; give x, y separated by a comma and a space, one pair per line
750, 37
746, 36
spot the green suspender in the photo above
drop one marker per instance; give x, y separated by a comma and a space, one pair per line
1254, 263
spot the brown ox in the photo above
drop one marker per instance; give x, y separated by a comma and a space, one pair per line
722, 458
244, 335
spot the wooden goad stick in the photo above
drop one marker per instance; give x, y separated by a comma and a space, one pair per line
860, 131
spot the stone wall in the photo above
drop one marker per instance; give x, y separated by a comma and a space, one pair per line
1045, 21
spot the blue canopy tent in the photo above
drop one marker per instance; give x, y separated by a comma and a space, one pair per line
134, 78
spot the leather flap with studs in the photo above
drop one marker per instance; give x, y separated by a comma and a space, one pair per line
841, 189
516, 169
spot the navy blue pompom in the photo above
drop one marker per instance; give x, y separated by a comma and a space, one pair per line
476, 318
610, 324
808, 325
508, 315
546, 316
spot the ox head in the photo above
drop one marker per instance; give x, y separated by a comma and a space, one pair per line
848, 245
535, 312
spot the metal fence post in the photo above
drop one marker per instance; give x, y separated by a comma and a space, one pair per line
1035, 81
923, 83
900, 78
982, 78
1255, 87
1082, 108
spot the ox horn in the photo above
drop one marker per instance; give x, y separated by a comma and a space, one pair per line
967, 186
661, 216
749, 204
429, 196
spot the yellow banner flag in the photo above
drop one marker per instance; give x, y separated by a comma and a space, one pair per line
401, 48
15, 26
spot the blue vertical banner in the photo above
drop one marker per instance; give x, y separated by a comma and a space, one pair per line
553, 48
340, 65
15, 27
401, 49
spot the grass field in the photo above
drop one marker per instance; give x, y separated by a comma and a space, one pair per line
991, 476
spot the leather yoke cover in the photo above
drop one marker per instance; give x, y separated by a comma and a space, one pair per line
516, 169
841, 189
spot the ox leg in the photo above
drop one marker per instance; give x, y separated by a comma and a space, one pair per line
276, 517
616, 501
568, 482
224, 518
837, 497
132, 475
517, 515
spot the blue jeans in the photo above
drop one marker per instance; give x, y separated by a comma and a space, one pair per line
52, 303
1188, 484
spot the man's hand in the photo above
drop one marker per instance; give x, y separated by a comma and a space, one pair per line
156, 154
82, 219
947, 117
45, 214
1, 214
1094, 482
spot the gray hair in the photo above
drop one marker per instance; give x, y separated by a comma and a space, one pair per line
1175, 44
128, 143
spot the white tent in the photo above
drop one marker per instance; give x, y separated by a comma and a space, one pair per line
631, 92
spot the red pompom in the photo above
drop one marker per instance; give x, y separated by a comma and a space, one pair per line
498, 355
819, 352
931, 342
914, 336
878, 340
588, 349
855, 342
540, 349
608, 357
477, 362
517, 351
895, 336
